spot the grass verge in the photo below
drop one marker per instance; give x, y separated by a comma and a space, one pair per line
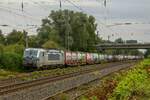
125, 85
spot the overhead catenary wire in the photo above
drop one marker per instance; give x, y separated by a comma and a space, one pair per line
19, 25
20, 28
105, 3
104, 27
21, 15
32, 18
38, 5
22, 6
81, 9
60, 4
15, 9
75, 5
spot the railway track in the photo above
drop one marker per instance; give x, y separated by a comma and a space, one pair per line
20, 79
4, 90
105, 72
79, 95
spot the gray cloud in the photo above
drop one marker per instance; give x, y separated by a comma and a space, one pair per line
117, 11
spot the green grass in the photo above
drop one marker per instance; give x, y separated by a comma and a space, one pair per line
7, 74
135, 84
40, 74
131, 84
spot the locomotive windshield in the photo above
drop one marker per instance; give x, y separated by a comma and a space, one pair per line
30, 53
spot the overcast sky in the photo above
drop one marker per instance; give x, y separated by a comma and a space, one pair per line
111, 20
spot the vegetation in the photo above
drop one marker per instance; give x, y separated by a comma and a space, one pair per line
40, 74
69, 28
127, 85
147, 54
2, 39
134, 85
7, 74
63, 29
11, 57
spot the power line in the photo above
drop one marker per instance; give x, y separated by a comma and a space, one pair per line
14, 13
75, 6
81, 9
20, 10
24, 15
38, 5
100, 22
20, 27
42, 7
105, 3
22, 6
60, 4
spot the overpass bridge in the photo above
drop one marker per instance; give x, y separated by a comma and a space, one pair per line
123, 46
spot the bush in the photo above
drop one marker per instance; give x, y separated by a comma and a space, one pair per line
134, 83
50, 44
146, 63
11, 57
1, 54
11, 61
15, 48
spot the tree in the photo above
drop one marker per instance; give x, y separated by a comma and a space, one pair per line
147, 53
15, 37
50, 44
1, 54
33, 41
133, 51
14, 48
69, 28
2, 38
119, 40
126, 51
119, 51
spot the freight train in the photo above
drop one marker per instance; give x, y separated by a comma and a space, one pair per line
40, 58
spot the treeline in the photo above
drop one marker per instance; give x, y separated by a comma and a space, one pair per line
11, 50
69, 30
62, 29
134, 84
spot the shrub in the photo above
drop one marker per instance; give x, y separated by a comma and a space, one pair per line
50, 44
134, 83
146, 63
1, 54
11, 61
15, 48
11, 57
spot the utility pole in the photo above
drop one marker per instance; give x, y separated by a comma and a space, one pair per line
24, 32
26, 38
67, 36
105, 3
108, 38
97, 36
68, 28
22, 6
60, 4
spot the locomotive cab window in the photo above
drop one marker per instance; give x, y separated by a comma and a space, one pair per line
31, 53
42, 54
